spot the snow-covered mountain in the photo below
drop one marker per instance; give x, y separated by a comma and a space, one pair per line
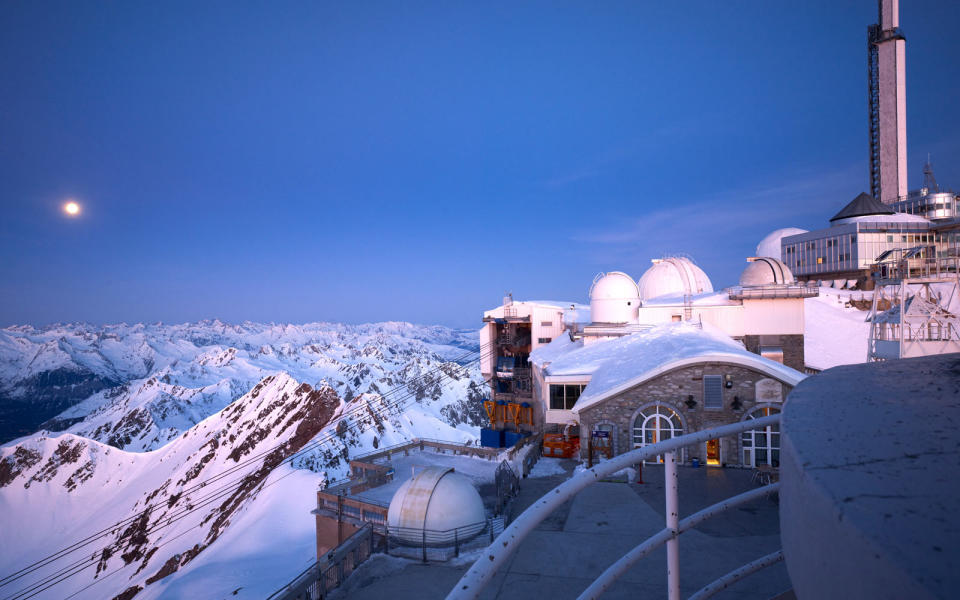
138, 386
199, 427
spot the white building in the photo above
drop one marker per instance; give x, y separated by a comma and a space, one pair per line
541, 356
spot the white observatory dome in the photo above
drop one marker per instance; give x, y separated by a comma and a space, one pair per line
766, 271
770, 245
673, 276
437, 500
614, 298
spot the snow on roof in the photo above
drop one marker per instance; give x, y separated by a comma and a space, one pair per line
721, 298
619, 364
560, 346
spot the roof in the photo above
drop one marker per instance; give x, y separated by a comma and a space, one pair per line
863, 205
619, 364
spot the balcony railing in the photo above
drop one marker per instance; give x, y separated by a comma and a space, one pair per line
471, 585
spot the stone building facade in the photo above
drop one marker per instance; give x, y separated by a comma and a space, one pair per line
678, 395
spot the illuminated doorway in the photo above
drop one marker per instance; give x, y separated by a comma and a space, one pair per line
713, 453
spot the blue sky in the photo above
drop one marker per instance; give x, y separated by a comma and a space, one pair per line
366, 161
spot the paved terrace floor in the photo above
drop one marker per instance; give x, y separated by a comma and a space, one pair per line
571, 548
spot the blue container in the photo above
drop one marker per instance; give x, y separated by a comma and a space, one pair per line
491, 438
512, 437
695, 462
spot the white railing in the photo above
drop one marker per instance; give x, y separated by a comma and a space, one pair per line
479, 575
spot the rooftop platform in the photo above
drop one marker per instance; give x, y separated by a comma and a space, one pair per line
568, 550
870, 468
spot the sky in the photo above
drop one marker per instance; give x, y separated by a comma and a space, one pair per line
414, 161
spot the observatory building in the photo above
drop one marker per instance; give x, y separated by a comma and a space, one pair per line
435, 500
650, 359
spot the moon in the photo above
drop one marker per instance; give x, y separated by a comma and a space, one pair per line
71, 208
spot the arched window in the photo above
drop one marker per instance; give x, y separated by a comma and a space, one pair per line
655, 423
761, 446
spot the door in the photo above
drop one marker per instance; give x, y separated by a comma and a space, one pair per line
713, 453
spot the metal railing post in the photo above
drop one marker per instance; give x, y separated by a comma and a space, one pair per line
424, 545
673, 524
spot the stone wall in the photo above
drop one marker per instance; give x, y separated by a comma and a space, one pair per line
682, 391
792, 346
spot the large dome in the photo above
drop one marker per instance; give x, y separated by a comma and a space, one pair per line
674, 277
770, 245
766, 271
614, 298
436, 500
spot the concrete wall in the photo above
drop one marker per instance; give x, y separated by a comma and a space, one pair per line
673, 389
773, 316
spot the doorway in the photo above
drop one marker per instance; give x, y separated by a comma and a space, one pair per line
713, 453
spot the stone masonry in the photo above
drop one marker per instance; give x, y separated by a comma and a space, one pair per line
676, 389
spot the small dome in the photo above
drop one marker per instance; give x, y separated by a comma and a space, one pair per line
614, 298
436, 500
770, 245
673, 276
766, 271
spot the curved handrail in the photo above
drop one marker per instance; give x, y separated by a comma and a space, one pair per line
617, 569
738, 574
482, 571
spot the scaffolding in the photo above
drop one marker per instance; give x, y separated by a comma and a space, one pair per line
915, 304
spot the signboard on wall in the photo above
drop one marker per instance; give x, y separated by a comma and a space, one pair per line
769, 390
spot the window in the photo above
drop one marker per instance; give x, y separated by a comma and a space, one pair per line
712, 391
544, 340
656, 424
819, 260
546, 323
761, 446
853, 239
563, 397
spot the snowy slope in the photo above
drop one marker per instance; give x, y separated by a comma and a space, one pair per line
187, 403
85, 486
835, 333
138, 386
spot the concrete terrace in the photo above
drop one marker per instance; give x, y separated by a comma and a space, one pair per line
572, 547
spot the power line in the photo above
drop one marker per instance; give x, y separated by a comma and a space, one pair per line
75, 568
86, 541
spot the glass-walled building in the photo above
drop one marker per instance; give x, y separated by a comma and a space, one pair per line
848, 251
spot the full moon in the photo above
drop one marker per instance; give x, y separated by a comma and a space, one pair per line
71, 208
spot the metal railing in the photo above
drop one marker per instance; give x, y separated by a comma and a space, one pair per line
479, 575
773, 291
321, 577
439, 545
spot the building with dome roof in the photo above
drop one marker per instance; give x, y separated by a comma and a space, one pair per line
673, 276
763, 315
770, 245
434, 501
